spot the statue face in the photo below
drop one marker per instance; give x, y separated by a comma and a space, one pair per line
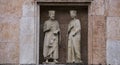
52, 14
73, 13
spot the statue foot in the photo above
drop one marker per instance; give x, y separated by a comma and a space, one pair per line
73, 61
78, 61
55, 61
46, 61
81, 61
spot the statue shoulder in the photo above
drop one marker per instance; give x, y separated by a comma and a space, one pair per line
77, 20
56, 22
47, 22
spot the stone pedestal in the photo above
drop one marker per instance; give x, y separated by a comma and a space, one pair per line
49, 63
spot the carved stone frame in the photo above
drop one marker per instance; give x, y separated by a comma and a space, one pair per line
55, 2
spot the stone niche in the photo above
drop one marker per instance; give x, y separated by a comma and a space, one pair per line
62, 15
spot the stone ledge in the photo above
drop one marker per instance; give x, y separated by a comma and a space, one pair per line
64, 0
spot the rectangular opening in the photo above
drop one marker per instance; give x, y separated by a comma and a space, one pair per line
63, 16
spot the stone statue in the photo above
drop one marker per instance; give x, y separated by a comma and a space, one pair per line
74, 30
51, 30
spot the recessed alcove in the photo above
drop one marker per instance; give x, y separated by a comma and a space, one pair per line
63, 17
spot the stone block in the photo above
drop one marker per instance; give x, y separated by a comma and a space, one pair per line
9, 52
99, 40
9, 29
97, 7
3, 52
113, 28
11, 8
27, 49
113, 49
28, 10
113, 8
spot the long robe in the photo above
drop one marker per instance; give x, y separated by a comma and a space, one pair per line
51, 29
74, 36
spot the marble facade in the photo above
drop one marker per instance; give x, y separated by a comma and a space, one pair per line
18, 31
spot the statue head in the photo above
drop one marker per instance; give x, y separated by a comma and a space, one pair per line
73, 13
51, 14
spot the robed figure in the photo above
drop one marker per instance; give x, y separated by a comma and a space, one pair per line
74, 35
51, 30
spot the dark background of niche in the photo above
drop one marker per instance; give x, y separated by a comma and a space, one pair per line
63, 16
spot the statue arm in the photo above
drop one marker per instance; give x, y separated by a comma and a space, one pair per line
46, 27
70, 27
78, 27
57, 29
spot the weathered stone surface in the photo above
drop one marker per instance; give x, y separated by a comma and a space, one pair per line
10, 14
11, 8
9, 52
113, 40
27, 50
113, 49
99, 43
113, 7
113, 28
27, 40
3, 52
9, 29
28, 8
12, 52
97, 7
90, 34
